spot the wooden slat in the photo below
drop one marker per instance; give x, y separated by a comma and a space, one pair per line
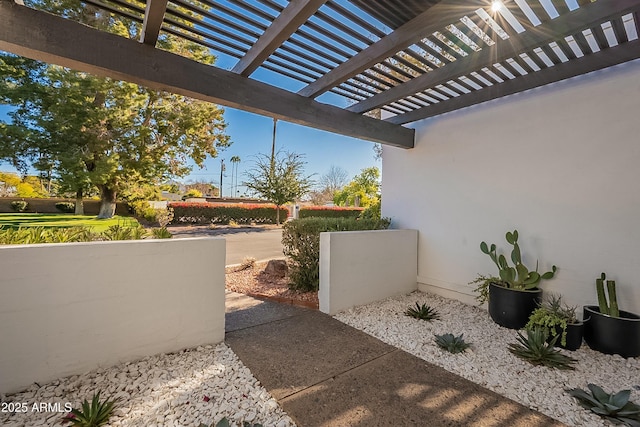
542, 35
153, 16
619, 31
45, 37
434, 19
588, 63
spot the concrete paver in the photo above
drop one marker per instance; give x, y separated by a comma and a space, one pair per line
325, 373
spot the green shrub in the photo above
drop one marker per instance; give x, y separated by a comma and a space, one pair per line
66, 207
329, 212
32, 235
19, 205
224, 213
301, 241
373, 211
161, 233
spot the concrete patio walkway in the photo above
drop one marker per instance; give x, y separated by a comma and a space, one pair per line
325, 373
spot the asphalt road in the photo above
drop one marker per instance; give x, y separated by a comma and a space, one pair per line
259, 243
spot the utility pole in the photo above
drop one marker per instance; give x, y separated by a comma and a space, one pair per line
273, 146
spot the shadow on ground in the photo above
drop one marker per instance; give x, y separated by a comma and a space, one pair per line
325, 373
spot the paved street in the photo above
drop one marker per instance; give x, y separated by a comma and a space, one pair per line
260, 243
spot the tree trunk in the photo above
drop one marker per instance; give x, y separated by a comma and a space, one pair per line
79, 205
277, 214
107, 202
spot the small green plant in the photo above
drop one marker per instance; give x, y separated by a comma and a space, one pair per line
451, 343
482, 287
225, 423
553, 313
610, 308
518, 276
121, 232
161, 233
536, 350
19, 206
92, 414
615, 407
423, 312
66, 207
247, 263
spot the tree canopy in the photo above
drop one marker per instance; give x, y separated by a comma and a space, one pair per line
279, 180
363, 190
95, 132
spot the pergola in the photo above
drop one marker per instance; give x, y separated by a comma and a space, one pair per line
411, 59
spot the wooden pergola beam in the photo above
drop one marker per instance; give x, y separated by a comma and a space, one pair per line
49, 38
290, 19
434, 19
153, 17
573, 22
586, 64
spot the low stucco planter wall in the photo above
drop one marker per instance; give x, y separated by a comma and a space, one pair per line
359, 267
69, 308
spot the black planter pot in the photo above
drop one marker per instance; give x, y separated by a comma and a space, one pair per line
511, 308
575, 332
612, 335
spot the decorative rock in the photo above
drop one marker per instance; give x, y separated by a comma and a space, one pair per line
277, 268
176, 400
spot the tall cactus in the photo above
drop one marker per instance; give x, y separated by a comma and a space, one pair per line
518, 276
602, 299
610, 308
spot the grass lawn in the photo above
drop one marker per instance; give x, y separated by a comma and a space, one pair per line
15, 220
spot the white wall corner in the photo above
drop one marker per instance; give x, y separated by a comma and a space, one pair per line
360, 267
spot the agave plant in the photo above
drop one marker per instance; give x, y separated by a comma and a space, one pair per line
615, 407
536, 350
452, 343
92, 414
225, 423
423, 312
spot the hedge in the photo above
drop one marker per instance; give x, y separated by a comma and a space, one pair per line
218, 213
301, 242
329, 212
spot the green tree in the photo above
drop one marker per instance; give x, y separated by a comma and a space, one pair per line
8, 184
99, 132
363, 190
280, 179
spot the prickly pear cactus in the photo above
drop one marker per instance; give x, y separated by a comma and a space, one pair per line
517, 276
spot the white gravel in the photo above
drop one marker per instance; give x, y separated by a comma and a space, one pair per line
195, 386
488, 362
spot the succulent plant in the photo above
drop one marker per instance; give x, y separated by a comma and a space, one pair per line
224, 422
451, 343
552, 313
536, 350
615, 407
610, 308
92, 414
518, 276
423, 312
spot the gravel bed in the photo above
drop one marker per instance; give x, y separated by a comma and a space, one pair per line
488, 362
254, 280
194, 386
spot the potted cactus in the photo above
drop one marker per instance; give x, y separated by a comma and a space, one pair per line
515, 293
607, 328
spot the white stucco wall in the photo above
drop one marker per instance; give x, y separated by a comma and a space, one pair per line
359, 267
560, 163
69, 308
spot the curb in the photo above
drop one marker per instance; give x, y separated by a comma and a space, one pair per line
284, 300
